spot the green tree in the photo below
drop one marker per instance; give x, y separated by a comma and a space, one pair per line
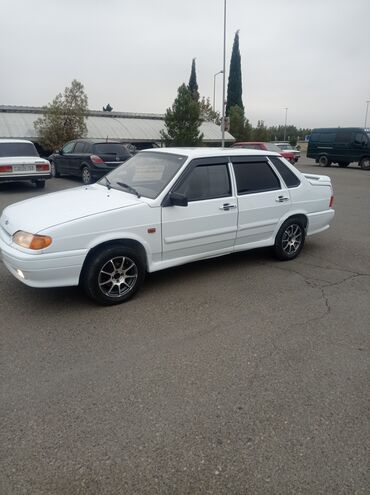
64, 118
234, 87
182, 121
207, 114
193, 85
240, 127
260, 133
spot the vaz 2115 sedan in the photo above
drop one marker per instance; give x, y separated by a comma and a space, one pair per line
160, 209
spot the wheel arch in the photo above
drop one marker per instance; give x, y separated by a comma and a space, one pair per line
289, 216
122, 241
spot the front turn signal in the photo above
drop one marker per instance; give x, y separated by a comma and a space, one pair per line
31, 241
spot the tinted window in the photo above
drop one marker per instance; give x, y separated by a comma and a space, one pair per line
343, 137
360, 138
315, 136
206, 182
290, 179
67, 148
252, 177
17, 149
110, 149
80, 148
327, 137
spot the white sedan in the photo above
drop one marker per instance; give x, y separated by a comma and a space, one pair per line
163, 208
19, 161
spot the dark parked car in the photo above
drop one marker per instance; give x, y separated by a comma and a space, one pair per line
88, 159
342, 145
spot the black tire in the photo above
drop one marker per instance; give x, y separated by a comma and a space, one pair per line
343, 164
113, 275
324, 161
40, 184
54, 170
290, 239
365, 163
86, 175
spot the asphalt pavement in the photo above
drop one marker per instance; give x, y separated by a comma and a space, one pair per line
237, 375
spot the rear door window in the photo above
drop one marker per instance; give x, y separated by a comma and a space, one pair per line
254, 176
80, 148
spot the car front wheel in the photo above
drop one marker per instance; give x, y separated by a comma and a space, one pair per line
290, 239
53, 170
113, 275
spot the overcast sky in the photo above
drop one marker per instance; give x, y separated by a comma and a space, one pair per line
312, 56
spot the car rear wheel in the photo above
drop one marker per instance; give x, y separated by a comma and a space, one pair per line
365, 163
53, 170
290, 239
86, 175
324, 161
343, 164
114, 275
40, 184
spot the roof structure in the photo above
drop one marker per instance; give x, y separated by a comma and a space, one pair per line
18, 122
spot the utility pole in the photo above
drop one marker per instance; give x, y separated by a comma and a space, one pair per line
286, 118
214, 89
367, 108
223, 83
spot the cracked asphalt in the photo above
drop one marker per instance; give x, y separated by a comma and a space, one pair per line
237, 375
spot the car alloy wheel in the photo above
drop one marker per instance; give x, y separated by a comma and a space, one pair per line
292, 239
118, 276
86, 176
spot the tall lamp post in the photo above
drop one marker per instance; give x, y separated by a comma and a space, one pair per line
367, 108
214, 88
223, 83
286, 118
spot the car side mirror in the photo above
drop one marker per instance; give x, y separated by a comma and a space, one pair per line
176, 199
59, 152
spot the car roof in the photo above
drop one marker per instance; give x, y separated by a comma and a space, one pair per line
96, 141
3, 140
211, 152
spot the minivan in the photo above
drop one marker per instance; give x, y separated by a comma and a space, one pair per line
341, 145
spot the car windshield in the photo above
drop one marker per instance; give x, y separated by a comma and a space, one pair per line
273, 147
110, 149
17, 149
147, 173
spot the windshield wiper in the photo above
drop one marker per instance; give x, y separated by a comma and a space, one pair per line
107, 182
129, 188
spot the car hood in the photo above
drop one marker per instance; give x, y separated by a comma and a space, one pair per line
43, 212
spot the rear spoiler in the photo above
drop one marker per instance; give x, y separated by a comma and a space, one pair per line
318, 180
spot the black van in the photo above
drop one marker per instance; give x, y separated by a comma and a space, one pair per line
341, 145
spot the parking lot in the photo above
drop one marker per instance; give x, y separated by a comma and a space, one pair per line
236, 375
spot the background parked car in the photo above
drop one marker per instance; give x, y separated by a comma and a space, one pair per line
341, 145
284, 146
88, 159
258, 145
20, 161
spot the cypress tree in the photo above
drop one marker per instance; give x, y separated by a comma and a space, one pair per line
234, 88
193, 85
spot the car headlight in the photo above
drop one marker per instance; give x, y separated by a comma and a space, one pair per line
31, 241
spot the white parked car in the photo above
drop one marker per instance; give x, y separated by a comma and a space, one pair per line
19, 160
162, 208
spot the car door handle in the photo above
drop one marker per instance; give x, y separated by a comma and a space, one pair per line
227, 207
281, 199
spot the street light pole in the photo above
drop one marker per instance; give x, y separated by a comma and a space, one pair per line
286, 118
367, 108
223, 83
214, 89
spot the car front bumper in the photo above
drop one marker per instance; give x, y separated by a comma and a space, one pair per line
43, 269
